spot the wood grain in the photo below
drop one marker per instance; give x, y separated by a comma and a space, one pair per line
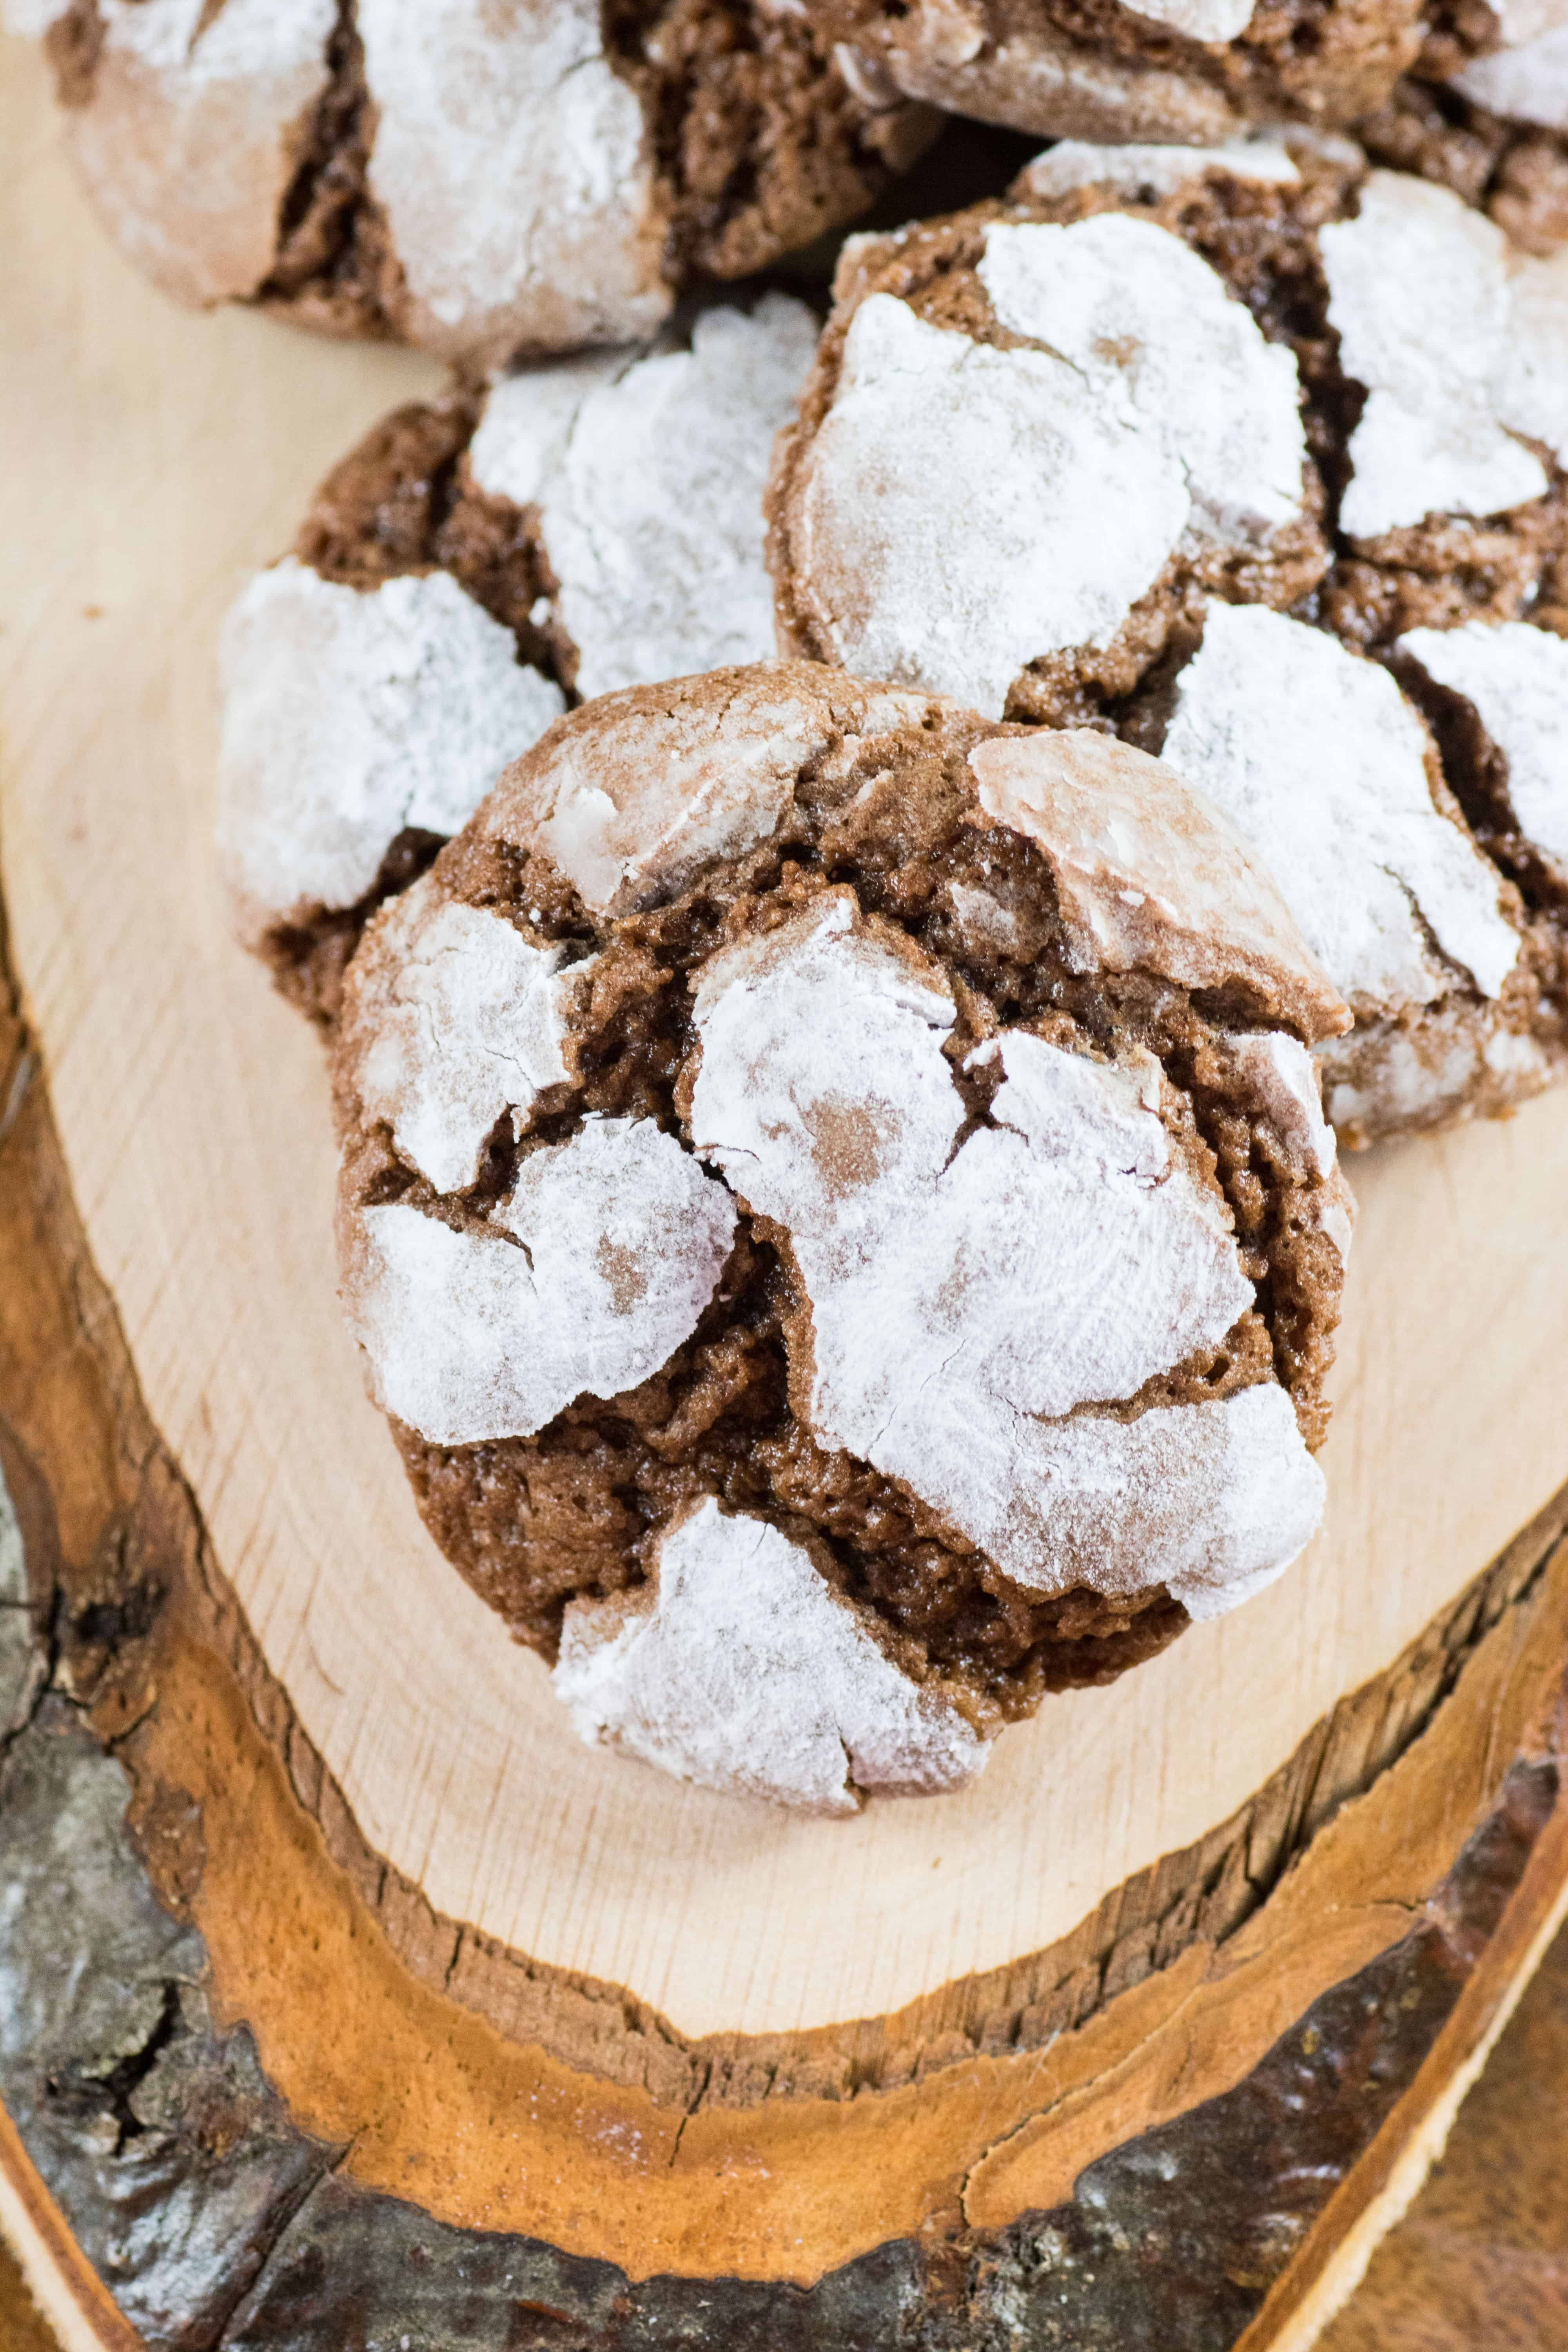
1148, 2023
1479, 2264
163, 454
1231, 2053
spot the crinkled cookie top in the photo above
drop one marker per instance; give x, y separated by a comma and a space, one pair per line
836, 1209
1219, 449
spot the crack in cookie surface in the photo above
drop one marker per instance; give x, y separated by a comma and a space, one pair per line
483, 182
1317, 263
472, 567
858, 810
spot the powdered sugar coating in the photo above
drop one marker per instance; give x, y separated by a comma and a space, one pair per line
452, 1019
1212, 1500
1396, 1078
1525, 82
194, 130
1149, 169
470, 1336
521, 440
241, 38
1518, 21
960, 1292
1200, 20
348, 715
1317, 760
650, 493
31, 19
1147, 322
1419, 296
625, 828
737, 1666
1037, 77
515, 173
961, 1242
1148, 873
1532, 369
1516, 677
962, 510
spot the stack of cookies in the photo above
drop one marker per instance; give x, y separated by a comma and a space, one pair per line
861, 818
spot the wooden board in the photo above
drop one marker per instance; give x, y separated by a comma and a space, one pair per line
1479, 2264
1481, 2260
414, 1886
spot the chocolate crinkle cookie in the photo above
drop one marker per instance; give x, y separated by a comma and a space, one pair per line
1254, 459
481, 177
470, 568
1486, 112
1190, 71
836, 1209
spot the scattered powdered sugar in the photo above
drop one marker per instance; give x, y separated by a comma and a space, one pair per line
1516, 677
348, 715
984, 922
962, 509
514, 169
1151, 327
1419, 294
191, 135
1148, 872
451, 1019
650, 494
960, 1292
470, 1336
1154, 171
1524, 83
737, 1666
1212, 1500
1316, 757
628, 824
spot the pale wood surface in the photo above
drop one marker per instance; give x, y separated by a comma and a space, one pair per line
150, 458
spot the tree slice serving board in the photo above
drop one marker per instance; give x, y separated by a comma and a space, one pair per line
499, 1983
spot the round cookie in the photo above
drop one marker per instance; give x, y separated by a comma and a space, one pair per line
481, 177
574, 528
836, 1208
1217, 450
1486, 113
1173, 70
